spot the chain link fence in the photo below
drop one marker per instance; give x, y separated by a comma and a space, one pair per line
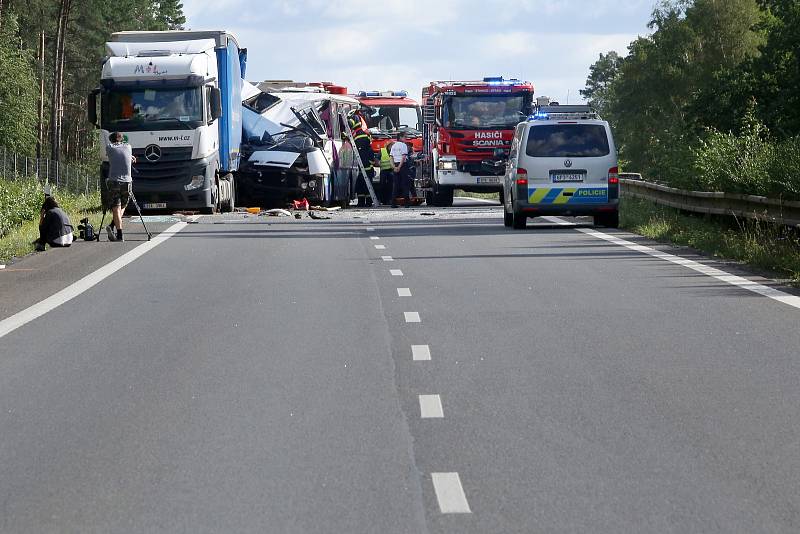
62, 176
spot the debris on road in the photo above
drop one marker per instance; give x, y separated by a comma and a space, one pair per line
276, 212
317, 217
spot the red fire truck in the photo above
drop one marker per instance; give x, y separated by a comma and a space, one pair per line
466, 135
390, 112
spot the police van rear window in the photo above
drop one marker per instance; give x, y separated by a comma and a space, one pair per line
567, 141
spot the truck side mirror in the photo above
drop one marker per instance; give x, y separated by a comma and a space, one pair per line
216, 103
91, 110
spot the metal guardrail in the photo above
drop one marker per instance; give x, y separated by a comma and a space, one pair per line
61, 175
732, 204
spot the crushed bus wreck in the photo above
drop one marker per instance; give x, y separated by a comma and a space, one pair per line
293, 147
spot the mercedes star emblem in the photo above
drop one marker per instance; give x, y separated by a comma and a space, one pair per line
567, 163
152, 153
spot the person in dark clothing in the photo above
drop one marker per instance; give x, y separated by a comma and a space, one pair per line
54, 226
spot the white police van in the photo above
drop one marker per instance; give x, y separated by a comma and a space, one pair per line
563, 161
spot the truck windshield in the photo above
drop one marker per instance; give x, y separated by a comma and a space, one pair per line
567, 141
132, 109
469, 112
391, 118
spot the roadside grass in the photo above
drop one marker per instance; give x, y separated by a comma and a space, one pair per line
761, 245
20, 201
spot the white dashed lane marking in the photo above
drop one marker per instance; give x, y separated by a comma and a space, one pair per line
387, 258
430, 407
380, 247
370, 229
396, 272
450, 494
412, 317
420, 352
374, 237
403, 292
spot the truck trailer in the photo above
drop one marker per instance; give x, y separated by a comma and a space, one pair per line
176, 96
467, 132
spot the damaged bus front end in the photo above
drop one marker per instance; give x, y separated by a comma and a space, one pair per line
292, 149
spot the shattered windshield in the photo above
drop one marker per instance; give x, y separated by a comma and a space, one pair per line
128, 109
484, 111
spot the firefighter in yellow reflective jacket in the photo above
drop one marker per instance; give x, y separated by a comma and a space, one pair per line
387, 169
363, 139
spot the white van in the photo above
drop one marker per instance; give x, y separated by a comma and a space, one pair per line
563, 161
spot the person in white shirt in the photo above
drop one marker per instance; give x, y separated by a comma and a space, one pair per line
400, 179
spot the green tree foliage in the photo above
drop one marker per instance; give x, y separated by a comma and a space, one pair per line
17, 91
709, 100
90, 25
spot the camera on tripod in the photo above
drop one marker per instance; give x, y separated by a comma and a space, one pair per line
86, 230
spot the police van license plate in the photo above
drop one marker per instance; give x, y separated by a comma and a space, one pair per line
561, 177
488, 179
154, 205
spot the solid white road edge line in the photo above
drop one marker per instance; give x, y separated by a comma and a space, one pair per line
403, 292
450, 494
396, 272
70, 292
412, 317
420, 353
713, 272
430, 407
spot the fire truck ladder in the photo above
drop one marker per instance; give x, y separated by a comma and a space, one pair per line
367, 179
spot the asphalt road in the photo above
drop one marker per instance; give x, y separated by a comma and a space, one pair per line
395, 371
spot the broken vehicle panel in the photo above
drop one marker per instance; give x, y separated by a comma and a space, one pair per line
293, 148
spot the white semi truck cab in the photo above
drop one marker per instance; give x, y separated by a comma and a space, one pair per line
176, 97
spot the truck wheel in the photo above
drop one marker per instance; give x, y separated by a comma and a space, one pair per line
430, 198
230, 198
447, 197
443, 197
214, 208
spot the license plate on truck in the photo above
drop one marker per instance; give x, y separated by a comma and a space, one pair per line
488, 179
154, 205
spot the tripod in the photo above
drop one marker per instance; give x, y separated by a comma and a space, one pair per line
131, 197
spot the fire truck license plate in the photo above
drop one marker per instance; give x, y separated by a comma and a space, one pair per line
488, 179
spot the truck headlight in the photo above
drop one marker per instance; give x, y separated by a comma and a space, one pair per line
448, 165
196, 183
312, 184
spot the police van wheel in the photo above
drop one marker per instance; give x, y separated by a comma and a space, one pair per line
519, 220
609, 220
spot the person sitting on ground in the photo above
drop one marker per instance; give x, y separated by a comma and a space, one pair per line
54, 226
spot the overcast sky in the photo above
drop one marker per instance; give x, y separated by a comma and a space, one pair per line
402, 44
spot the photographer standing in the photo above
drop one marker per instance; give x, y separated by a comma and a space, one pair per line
54, 226
119, 182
